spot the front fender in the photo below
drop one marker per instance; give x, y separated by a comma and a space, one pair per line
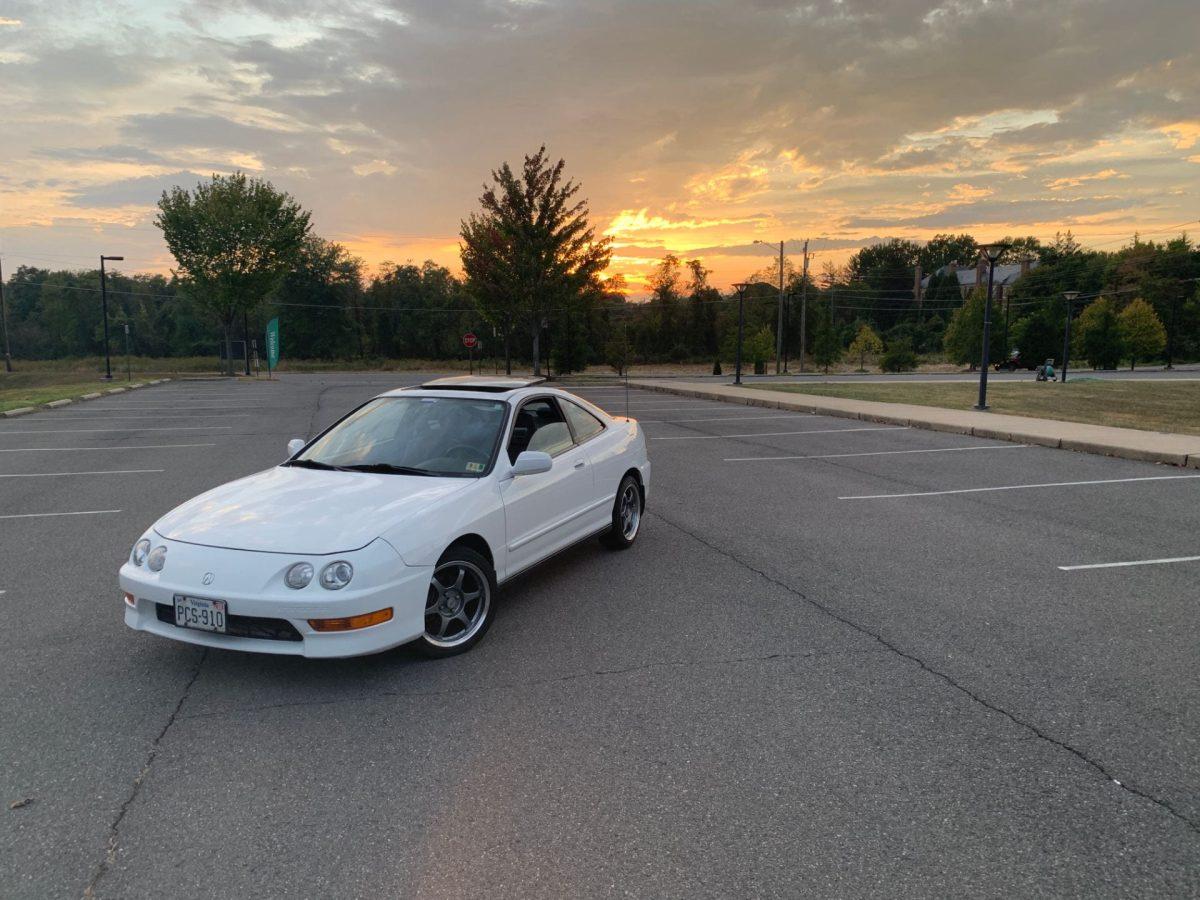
478, 510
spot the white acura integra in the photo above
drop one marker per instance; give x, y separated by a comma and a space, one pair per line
395, 524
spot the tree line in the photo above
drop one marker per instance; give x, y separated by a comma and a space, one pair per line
533, 288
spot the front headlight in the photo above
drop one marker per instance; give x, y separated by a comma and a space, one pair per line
157, 559
298, 576
336, 575
140, 550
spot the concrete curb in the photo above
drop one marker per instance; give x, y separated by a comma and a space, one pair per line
1126, 443
67, 401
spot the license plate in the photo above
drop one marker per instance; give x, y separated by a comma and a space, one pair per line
203, 615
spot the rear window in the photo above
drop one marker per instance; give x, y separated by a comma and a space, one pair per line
583, 423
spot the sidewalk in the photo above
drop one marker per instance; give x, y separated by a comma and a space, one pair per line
1128, 443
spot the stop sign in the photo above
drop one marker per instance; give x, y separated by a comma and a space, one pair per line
470, 340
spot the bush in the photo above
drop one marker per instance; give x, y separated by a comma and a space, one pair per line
1097, 335
717, 367
899, 357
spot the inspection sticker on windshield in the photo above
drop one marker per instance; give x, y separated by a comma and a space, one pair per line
475, 467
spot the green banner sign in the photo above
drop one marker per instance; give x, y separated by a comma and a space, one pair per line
273, 344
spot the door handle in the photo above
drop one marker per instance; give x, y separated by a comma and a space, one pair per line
580, 464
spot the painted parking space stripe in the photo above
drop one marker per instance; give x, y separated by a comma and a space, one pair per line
121, 447
1021, 487
84, 512
79, 417
877, 453
127, 430
63, 474
1132, 562
714, 437
730, 419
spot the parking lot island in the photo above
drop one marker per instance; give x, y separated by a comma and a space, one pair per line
1126, 443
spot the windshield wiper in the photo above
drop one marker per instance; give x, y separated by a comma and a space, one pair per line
312, 464
387, 469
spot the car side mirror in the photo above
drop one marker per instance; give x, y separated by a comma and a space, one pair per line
295, 445
532, 462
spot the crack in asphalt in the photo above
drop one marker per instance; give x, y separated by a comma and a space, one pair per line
114, 829
1166, 805
537, 682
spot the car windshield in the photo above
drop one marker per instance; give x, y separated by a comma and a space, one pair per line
412, 436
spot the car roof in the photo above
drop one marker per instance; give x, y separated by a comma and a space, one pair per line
491, 384
491, 387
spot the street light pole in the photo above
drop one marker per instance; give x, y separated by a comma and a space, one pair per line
1070, 298
104, 306
740, 287
992, 253
4, 322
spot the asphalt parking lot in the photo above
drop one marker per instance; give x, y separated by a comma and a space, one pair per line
843, 659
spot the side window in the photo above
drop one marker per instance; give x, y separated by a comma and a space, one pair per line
583, 423
539, 426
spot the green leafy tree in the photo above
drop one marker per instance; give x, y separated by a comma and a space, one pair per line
617, 351
866, 341
1143, 332
234, 239
758, 349
531, 249
1097, 335
963, 340
826, 347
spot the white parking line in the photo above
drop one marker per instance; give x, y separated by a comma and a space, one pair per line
131, 430
1021, 487
1135, 562
713, 437
153, 417
122, 447
161, 408
729, 419
85, 512
60, 474
876, 453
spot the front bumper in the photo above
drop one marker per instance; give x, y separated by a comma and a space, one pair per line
251, 583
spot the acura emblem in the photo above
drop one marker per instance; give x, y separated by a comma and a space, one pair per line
207, 579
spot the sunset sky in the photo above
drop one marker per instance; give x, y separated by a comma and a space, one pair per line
694, 127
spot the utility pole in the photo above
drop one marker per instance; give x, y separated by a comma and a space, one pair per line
919, 294
803, 303
779, 314
104, 306
779, 319
4, 321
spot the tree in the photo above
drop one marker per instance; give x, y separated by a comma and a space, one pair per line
1142, 331
866, 341
963, 340
617, 351
234, 239
826, 349
1098, 335
530, 249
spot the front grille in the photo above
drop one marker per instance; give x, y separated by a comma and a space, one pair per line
242, 626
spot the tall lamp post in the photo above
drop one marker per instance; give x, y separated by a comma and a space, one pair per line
779, 318
104, 304
4, 322
992, 253
740, 287
1070, 297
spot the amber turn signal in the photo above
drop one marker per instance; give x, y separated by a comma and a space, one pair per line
351, 623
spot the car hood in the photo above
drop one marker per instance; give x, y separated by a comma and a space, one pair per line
304, 511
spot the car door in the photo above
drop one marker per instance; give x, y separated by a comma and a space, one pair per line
546, 512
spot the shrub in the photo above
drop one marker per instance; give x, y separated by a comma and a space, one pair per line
899, 357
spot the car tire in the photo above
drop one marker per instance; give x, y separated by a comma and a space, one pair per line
626, 516
460, 604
